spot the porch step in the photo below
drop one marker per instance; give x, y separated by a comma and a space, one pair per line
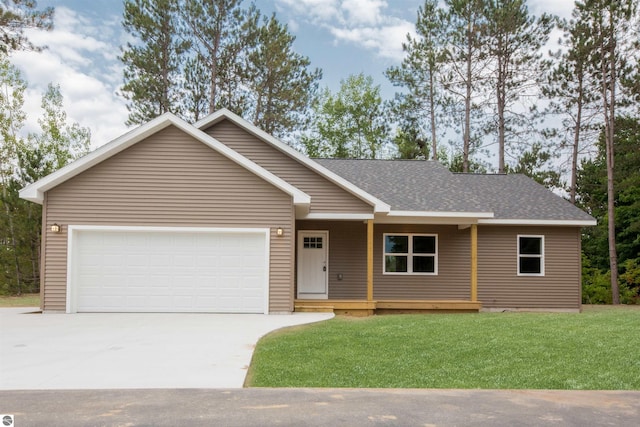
367, 308
314, 308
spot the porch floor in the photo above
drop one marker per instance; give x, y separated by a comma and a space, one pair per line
368, 308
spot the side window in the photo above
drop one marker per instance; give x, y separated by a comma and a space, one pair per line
530, 255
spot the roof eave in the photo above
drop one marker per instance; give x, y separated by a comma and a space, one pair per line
541, 222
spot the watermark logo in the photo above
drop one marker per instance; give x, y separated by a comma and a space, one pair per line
7, 420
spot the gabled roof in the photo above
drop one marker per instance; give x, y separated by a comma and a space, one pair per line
35, 192
411, 187
379, 206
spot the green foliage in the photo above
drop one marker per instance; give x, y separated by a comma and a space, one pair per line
596, 284
570, 351
350, 123
15, 17
419, 110
24, 162
58, 143
630, 279
280, 80
455, 163
219, 31
592, 191
152, 65
410, 145
535, 163
193, 57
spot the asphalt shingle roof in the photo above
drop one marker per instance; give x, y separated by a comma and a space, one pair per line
418, 185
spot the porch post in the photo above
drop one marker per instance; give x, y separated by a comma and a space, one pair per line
474, 262
369, 260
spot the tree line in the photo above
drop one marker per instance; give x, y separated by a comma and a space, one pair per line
27, 158
475, 82
193, 57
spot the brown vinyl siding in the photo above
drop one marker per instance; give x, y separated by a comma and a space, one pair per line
453, 279
325, 195
347, 256
172, 180
498, 283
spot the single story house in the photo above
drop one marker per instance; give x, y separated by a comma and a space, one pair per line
220, 216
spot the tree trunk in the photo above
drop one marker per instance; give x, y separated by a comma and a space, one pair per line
12, 234
467, 103
576, 143
432, 108
501, 100
213, 57
608, 70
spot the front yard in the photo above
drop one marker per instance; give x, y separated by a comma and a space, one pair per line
597, 349
24, 300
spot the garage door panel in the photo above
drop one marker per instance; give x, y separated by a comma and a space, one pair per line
167, 271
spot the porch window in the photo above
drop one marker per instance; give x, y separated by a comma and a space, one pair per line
530, 255
411, 254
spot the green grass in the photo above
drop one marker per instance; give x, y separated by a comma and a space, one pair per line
597, 349
25, 300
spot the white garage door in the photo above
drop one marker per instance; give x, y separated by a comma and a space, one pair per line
168, 270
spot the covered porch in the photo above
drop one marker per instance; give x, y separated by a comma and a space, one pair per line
380, 299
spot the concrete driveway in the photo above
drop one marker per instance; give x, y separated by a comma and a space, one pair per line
119, 350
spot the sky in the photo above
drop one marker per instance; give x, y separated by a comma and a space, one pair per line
341, 37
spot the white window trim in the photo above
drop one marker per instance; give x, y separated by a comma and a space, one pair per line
541, 256
409, 255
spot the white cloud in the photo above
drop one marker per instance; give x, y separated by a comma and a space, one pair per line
82, 59
386, 41
365, 12
364, 23
562, 8
314, 10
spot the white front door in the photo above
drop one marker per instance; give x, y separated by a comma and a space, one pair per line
313, 268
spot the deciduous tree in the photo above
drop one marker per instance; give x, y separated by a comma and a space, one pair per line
350, 123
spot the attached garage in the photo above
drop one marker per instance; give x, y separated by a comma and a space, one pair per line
178, 269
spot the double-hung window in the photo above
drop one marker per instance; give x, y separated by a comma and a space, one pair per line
410, 254
530, 255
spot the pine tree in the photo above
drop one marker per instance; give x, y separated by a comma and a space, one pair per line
152, 64
515, 39
419, 109
573, 94
612, 47
280, 80
215, 29
466, 69
15, 17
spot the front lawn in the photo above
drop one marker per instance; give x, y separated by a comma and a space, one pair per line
24, 300
597, 349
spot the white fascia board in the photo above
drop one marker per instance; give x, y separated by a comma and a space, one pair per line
550, 222
435, 214
35, 192
378, 205
338, 216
